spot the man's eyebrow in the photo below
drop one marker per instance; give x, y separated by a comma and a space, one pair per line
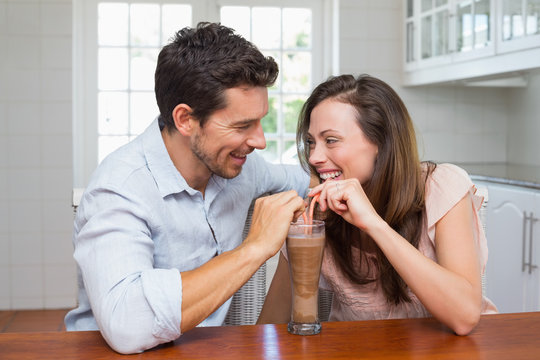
245, 122
248, 121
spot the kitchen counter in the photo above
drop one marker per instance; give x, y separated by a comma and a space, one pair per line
502, 173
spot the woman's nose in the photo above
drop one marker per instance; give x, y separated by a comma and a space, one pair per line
316, 155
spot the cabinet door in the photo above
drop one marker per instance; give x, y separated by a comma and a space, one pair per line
506, 275
518, 25
532, 257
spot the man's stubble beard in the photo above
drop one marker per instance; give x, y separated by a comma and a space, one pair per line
198, 148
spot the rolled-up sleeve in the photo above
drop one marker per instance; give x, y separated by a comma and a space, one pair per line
136, 306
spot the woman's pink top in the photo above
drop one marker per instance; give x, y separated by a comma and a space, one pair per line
445, 187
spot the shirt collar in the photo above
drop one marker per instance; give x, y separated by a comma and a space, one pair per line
166, 175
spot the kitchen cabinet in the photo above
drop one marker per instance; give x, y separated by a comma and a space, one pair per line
513, 234
473, 42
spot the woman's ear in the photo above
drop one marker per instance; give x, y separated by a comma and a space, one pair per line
182, 119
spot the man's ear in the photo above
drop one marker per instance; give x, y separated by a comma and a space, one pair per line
182, 119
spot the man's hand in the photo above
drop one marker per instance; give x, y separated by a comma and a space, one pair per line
271, 218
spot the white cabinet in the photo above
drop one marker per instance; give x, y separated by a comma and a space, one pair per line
513, 234
473, 42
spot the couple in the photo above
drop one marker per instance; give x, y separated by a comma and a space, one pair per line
158, 232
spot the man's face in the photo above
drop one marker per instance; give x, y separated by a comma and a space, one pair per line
233, 132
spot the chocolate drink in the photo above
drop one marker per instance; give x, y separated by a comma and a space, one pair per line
305, 252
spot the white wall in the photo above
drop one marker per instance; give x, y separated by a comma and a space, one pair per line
462, 125
36, 264
524, 129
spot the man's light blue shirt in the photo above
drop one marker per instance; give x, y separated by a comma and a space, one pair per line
139, 225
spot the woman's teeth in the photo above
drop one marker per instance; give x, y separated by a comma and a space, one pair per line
330, 175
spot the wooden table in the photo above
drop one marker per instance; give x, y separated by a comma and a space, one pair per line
502, 336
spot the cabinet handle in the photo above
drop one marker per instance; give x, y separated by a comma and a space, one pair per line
532, 219
524, 233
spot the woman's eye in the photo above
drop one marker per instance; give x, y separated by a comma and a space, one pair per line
331, 140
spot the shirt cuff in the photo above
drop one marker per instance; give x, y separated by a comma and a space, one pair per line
163, 291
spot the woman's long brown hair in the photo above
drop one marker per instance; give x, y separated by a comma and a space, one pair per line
396, 188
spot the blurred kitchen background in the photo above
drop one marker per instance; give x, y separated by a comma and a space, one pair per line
76, 81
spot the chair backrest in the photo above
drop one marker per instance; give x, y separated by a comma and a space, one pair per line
248, 301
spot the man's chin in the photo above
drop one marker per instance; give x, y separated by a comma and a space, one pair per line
230, 173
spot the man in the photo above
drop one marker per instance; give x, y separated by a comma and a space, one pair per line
158, 233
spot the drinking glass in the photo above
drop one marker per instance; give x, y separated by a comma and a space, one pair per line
305, 246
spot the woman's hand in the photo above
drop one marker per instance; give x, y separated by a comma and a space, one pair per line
347, 199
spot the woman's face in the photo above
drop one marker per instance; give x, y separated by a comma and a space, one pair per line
338, 147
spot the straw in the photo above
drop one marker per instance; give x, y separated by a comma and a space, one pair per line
312, 207
308, 218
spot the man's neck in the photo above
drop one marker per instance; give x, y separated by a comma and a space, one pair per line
190, 167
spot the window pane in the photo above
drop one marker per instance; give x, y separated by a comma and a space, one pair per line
440, 2
440, 37
112, 113
270, 121
143, 111
464, 26
237, 18
427, 5
533, 17
410, 8
174, 18
512, 19
270, 153
410, 42
481, 23
292, 106
426, 37
296, 28
107, 144
296, 68
145, 24
112, 69
143, 67
113, 24
290, 154
266, 27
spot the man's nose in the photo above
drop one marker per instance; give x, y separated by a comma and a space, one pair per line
256, 138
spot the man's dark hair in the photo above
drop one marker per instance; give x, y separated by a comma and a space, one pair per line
200, 63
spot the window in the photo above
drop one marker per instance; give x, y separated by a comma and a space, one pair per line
116, 44
286, 35
130, 37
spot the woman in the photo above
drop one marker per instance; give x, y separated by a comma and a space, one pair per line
403, 236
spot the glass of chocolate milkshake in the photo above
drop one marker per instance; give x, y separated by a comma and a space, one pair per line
305, 245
